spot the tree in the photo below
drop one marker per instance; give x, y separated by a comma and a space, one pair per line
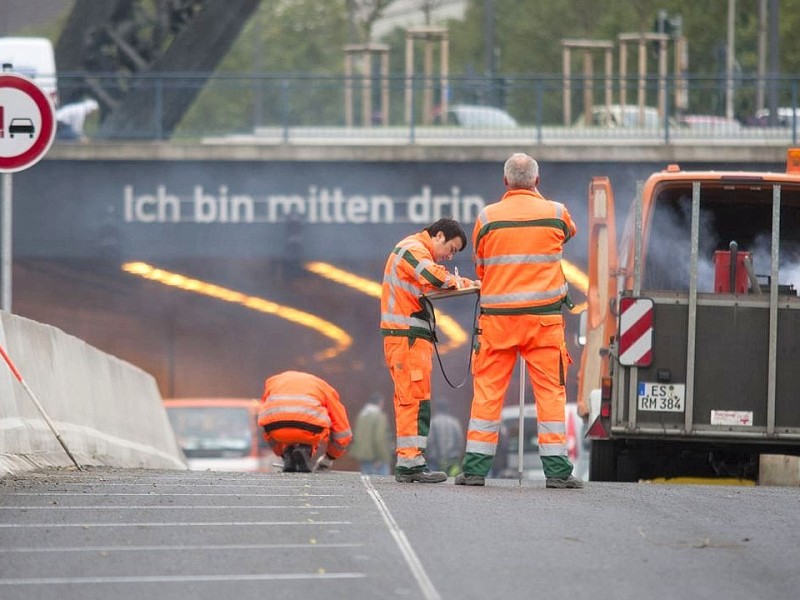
530, 33
307, 36
362, 14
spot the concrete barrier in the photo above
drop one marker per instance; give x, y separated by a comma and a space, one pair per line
107, 411
779, 469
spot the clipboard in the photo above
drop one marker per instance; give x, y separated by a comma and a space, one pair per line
441, 294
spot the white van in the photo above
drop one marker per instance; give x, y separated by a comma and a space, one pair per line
220, 434
34, 58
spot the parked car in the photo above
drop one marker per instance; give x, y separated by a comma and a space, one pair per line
710, 124
617, 115
785, 118
476, 117
507, 461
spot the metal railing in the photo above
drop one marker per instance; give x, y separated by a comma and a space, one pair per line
294, 108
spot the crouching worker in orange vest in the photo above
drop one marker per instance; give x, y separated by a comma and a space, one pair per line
412, 269
298, 412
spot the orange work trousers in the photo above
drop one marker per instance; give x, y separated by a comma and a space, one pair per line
409, 362
539, 339
281, 437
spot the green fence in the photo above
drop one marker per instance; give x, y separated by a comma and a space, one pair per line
291, 108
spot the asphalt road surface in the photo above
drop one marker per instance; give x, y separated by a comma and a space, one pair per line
121, 534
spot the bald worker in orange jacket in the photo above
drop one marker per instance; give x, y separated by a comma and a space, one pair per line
298, 412
518, 244
413, 269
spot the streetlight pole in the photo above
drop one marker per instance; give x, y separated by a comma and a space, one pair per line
730, 58
488, 38
773, 34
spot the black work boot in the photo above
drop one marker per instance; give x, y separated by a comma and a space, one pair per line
288, 461
423, 476
570, 483
301, 456
464, 479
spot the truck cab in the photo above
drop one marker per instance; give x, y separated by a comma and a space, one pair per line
692, 325
34, 58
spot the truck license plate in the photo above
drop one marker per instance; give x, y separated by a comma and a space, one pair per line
662, 397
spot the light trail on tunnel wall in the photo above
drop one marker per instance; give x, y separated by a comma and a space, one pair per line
456, 335
337, 334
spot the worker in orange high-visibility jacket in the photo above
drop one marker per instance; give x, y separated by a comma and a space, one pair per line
518, 245
298, 412
412, 269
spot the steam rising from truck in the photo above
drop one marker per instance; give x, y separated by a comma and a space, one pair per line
747, 222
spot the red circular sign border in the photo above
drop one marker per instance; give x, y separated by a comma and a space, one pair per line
33, 154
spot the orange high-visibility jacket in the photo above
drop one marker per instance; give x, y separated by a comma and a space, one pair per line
409, 272
304, 401
517, 250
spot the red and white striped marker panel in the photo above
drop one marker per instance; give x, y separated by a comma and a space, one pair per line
635, 331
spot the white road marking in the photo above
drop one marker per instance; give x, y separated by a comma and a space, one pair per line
155, 484
181, 507
182, 548
296, 492
180, 578
426, 585
172, 524
159, 494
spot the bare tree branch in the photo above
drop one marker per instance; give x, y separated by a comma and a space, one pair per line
366, 12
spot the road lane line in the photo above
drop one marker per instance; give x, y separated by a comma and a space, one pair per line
181, 507
180, 578
172, 524
426, 585
168, 494
156, 484
182, 548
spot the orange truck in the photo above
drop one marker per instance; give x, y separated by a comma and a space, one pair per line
692, 331
220, 434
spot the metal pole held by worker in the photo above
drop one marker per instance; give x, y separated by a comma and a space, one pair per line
520, 446
38, 405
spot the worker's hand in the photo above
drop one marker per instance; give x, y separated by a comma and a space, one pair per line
324, 463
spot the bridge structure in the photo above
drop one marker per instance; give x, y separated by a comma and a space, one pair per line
203, 264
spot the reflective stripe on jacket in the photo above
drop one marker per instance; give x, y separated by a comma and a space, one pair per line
517, 246
304, 401
410, 271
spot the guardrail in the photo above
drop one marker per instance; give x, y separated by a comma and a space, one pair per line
294, 108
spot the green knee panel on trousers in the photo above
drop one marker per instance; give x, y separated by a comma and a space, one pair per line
477, 464
556, 467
